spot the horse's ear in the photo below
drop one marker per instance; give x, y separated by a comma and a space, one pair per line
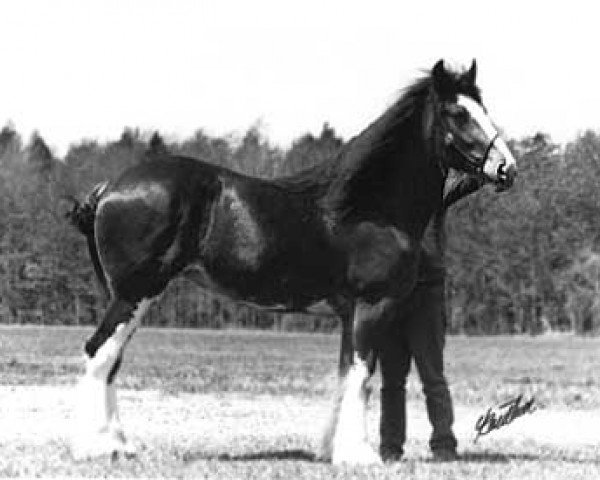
442, 80
471, 75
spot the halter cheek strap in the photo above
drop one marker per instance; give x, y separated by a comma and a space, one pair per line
474, 163
489, 147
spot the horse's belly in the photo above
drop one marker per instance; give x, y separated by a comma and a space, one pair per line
267, 287
269, 268
267, 258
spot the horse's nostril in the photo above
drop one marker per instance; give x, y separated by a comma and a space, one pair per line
506, 176
501, 173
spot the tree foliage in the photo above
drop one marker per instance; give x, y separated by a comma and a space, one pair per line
523, 261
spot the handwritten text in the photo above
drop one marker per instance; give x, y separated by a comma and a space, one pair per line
508, 411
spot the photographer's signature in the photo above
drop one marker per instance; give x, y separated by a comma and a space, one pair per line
503, 415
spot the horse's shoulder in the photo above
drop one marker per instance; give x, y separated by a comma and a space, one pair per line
377, 236
379, 254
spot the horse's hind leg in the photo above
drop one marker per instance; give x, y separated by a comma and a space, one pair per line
99, 430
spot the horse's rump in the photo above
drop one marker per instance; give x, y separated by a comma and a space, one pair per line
149, 224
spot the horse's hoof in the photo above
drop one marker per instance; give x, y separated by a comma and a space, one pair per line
323, 453
127, 454
358, 454
102, 444
325, 447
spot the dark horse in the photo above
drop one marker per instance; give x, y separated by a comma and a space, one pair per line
347, 232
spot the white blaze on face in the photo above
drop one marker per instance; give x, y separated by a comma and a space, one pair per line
478, 114
482, 119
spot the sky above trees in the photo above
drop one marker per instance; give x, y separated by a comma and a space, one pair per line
75, 69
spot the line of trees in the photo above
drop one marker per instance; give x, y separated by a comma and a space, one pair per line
524, 261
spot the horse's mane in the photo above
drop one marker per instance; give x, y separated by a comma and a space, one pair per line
370, 151
318, 177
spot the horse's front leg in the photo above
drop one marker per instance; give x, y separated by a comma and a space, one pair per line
347, 441
344, 309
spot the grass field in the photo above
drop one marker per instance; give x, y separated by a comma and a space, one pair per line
233, 404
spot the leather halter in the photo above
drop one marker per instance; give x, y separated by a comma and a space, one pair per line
473, 164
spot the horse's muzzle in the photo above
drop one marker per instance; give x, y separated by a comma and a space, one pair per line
505, 176
500, 167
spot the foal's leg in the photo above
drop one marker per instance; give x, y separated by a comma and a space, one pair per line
350, 442
100, 431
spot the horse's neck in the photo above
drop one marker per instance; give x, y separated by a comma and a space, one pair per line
386, 175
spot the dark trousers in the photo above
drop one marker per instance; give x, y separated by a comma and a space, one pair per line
417, 332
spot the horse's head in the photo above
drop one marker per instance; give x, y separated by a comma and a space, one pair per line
465, 134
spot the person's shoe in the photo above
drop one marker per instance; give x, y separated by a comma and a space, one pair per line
390, 454
445, 455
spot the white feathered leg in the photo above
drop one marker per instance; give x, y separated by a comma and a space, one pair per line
98, 429
345, 438
350, 442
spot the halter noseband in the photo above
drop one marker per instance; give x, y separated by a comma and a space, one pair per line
474, 164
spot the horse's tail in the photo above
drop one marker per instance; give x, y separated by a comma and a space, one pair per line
82, 216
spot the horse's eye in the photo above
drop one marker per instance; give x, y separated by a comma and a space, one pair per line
461, 116
458, 114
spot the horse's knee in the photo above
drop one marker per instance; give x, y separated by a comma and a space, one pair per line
105, 348
368, 321
119, 312
105, 362
91, 346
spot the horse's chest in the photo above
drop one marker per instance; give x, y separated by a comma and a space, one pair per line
380, 259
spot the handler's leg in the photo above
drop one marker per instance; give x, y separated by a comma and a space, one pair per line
99, 426
394, 359
427, 339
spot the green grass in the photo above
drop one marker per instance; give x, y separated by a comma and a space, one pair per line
560, 371
237, 404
